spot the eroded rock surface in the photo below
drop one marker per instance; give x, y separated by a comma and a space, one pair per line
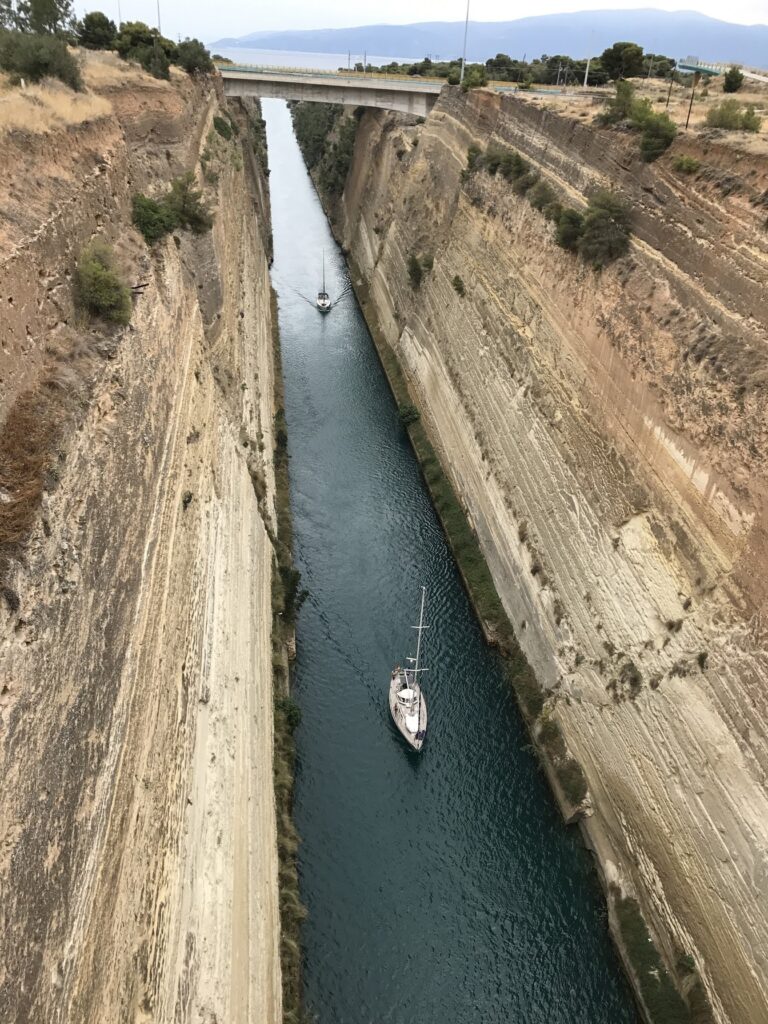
138, 864
607, 435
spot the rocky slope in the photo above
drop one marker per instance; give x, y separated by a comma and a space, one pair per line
138, 860
606, 433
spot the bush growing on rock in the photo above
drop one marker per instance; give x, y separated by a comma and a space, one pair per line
730, 114
34, 57
98, 288
569, 229
408, 414
606, 230
541, 195
458, 286
572, 780
657, 130
194, 58
415, 273
223, 127
686, 164
182, 207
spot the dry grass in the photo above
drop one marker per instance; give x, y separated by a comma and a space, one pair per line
44, 108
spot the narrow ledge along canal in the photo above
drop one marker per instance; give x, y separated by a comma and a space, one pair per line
442, 887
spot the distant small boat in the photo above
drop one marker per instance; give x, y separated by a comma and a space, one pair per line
407, 704
323, 300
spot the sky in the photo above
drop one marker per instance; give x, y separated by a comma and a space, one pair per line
209, 21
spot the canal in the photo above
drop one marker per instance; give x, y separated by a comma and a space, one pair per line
442, 888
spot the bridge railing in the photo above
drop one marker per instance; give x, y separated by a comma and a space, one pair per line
353, 76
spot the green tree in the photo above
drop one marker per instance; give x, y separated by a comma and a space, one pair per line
193, 57
46, 17
606, 230
622, 60
98, 288
570, 227
34, 57
733, 79
7, 14
97, 32
474, 77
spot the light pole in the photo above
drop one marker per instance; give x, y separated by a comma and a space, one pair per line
464, 54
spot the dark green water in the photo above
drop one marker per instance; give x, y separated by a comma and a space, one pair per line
442, 888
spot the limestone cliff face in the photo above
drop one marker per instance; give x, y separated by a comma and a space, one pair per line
607, 434
138, 863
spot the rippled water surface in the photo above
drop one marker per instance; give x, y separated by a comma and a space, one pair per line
442, 888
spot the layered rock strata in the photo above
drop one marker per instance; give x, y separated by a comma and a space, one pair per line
607, 435
138, 860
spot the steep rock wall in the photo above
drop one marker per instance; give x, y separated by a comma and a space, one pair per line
138, 859
607, 436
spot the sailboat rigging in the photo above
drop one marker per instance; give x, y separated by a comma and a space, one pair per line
407, 704
323, 301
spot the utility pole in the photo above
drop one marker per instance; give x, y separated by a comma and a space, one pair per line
119, 15
159, 29
586, 71
671, 80
696, 77
464, 54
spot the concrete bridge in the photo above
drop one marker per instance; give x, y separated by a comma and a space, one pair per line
404, 93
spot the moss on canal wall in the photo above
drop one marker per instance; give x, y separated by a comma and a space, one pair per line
286, 600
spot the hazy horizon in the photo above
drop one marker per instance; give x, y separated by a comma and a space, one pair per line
230, 19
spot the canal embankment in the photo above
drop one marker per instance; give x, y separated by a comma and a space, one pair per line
504, 362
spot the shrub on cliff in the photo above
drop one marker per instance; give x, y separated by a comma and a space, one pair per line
569, 228
147, 47
34, 57
97, 32
730, 114
152, 218
98, 288
541, 195
686, 164
182, 207
415, 273
572, 781
475, 77
458, 286
193, 57
658, 133
606, 230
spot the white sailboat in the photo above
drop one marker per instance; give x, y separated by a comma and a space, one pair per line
407, 704
323, 300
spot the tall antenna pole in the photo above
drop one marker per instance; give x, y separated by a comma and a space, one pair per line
463, 61
586, 72
159, 29
119, 15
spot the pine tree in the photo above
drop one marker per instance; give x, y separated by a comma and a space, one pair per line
46, 17
7, 14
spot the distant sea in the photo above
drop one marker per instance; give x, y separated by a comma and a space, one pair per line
291, 59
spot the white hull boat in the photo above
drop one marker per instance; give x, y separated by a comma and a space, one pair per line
407, 703
323, 301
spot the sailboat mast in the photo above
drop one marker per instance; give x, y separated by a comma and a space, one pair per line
323, 270
420, 628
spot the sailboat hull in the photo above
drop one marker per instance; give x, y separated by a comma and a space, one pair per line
414, 738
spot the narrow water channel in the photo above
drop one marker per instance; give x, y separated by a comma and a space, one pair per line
442, 888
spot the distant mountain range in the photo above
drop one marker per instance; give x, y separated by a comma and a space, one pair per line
585, 33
